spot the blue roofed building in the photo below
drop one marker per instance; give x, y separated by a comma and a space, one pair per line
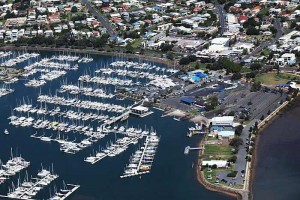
187, 100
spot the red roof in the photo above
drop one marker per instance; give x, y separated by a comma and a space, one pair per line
106, 8
95, 23
243, 18
197, 8
234, 9
116, 19
148, 21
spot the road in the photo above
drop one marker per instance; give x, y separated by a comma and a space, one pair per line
279, 33
221, 13
242, 153
101, 18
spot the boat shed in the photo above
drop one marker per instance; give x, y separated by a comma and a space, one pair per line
218, 163
141, 111
222, 121
187, 100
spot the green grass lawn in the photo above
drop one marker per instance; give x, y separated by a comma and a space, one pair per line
265, 52
245, 70
263, 12
274, 79
202, 65
216, 149
212, 173
136, 43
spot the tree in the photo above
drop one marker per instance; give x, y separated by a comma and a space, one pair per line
129, 48
251, 22
252, 31
239, 130
184, 61
232, 159
232, 174
250, 129
197, 65
273, 30
295, 93
236, 142
170, 56
212, 103
164, 47
231, 113
224, 63
255, 66
251, 75
74, 9
255, 87
187, 59
236, 76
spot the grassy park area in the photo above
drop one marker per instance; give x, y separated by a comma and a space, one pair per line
218, 149
275, 79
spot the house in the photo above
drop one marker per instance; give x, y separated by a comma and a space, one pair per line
54, 18
289, 58
231, 19
244, 45
48, 33
14, 22
222, 132
164, 27
243, 19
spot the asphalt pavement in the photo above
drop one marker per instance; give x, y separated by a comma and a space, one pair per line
221, 13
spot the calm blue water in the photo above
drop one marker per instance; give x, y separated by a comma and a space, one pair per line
277, 171
171, 177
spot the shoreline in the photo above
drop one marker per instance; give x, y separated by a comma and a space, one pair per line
255, 153
209, 186
250, 166
164, 61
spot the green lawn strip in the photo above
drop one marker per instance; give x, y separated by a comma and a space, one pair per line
136, 43
275, 79
216, 149
245, 70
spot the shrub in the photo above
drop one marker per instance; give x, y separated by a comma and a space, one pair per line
232, 174
232, 159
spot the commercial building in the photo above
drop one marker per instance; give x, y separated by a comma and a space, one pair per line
218, 163
222, 121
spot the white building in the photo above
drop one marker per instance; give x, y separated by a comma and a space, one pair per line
288, 58
222, 121
220, 41
218, 163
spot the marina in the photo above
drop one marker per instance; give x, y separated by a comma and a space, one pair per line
12, 167
141, 161
85, 120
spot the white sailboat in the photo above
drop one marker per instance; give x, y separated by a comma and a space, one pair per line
6, 132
